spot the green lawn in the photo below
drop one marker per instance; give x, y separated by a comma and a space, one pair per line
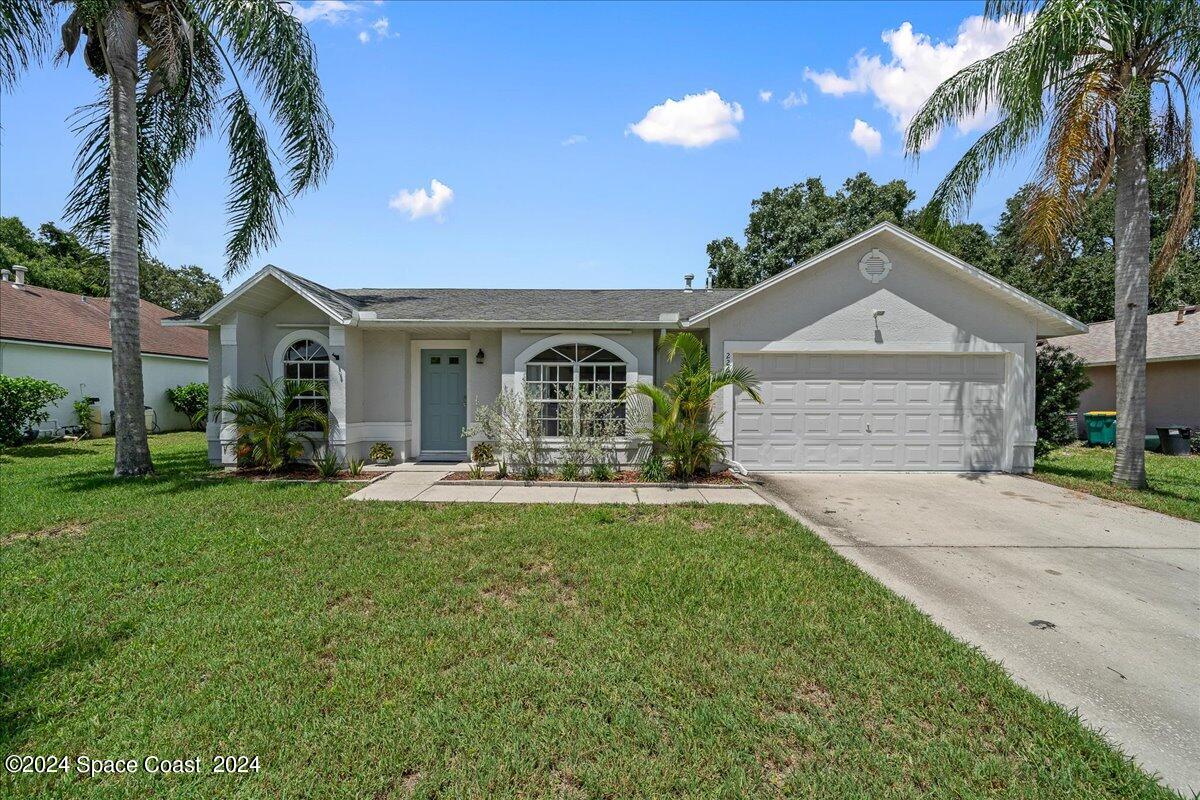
391, 650
1174, 480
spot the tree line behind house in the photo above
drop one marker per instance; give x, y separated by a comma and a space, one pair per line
788, 225
58, 259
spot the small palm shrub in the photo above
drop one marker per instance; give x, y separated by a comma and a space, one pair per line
681, 425
603, 471
653, 470
475, 472
328, 464
272, 422
569, 471
501, 470
355, 466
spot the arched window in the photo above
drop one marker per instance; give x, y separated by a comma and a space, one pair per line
565, 370
306, 360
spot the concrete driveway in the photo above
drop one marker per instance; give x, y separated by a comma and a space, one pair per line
1092, 603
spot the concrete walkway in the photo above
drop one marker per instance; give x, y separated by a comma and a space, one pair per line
420, 484
1094, 604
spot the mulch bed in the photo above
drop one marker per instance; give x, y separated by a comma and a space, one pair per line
294, 472
724, 478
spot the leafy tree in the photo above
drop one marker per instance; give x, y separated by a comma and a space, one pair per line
57, 259
163, 67
1081, 81
23, 402
792, 224
1061, 378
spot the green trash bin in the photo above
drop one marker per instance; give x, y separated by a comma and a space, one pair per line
1101, 428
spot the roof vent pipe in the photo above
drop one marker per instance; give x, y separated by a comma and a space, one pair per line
20, 271
687, 282
1180, 313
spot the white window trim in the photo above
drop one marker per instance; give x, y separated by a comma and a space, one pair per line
414, 382
620, 351
290, 339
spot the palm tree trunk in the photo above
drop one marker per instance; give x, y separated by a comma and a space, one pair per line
1132, 246
121, 44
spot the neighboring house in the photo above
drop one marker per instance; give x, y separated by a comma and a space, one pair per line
1172, 368
64, 338
883, 353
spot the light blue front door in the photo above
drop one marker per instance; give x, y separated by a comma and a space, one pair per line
443, 401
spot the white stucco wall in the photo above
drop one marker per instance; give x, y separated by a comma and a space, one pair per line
926, 309
87, 372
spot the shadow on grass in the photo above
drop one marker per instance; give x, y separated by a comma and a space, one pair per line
14, 454
17, 674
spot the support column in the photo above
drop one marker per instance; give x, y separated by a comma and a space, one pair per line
229, 380
337, 389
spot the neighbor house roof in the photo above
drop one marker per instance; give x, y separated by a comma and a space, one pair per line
35, 314
1167, 339
1050, 321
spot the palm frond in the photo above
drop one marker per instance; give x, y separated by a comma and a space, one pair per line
273, 46
256, 199
26, 36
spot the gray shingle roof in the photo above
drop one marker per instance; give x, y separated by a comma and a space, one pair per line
1164, 338
504, 305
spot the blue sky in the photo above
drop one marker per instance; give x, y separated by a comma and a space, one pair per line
538, 119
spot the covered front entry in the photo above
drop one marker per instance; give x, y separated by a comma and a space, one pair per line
849, 412
443, 403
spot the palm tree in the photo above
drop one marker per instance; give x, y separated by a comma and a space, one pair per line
1101, 86
681, 421
275, 420
164, 66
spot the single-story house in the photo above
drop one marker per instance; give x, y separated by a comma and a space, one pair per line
64, 338
1172, 368
882, 353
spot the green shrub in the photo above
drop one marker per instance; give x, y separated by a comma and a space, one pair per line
1061, 378
382, 451
569, 471
274, 420
355, 466
23, 402
328, 464
83, 413
653, 470
680, 422
602, 471
191, 400
482, 454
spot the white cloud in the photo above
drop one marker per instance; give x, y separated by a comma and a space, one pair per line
917, 66
419, 203
364, 37
765, 95
331, 11
794, 99
574, 139
380, 26
697, 120
866, 137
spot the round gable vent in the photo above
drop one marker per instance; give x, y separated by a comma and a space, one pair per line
875, 266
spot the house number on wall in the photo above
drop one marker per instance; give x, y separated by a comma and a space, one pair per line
875, 266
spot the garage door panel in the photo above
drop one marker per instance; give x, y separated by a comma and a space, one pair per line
873, 412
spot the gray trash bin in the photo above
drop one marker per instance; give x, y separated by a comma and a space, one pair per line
1175, 441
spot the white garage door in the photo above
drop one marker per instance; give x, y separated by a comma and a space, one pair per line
846, 412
